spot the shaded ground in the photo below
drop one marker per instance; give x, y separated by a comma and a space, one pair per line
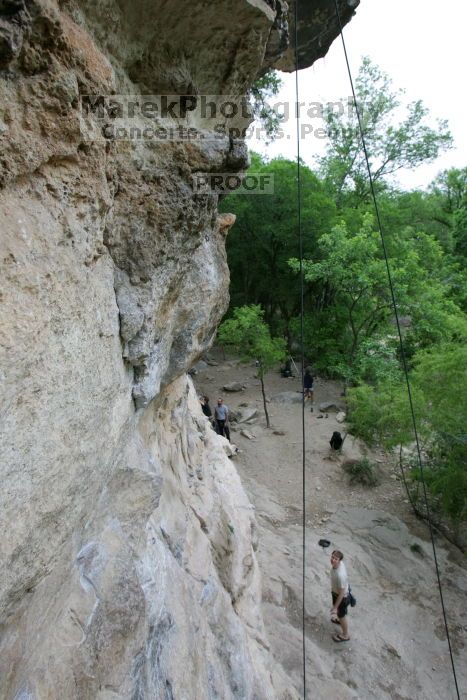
398, 648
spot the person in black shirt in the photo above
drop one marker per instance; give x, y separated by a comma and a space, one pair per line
308, 385
336, 441
205, 407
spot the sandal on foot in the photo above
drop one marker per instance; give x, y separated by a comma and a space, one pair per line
340, 638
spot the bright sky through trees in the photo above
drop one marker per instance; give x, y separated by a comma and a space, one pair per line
421, 45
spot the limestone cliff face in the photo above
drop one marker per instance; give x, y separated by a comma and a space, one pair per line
127, 555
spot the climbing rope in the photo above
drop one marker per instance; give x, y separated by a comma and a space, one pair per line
401, 344
302, 354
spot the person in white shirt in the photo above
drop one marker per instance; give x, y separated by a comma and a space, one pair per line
340, 595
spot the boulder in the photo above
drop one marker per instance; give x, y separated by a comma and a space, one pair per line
328, 406
230, 449
198, 367
340, 418
233, 386
245, 415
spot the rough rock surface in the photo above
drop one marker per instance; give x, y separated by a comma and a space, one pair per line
154, 594
127, 558
317, 26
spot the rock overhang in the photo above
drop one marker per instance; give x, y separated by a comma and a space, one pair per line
318, 26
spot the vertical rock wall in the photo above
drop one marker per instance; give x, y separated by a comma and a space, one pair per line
127, 555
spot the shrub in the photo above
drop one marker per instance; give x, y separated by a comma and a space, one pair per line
362, 471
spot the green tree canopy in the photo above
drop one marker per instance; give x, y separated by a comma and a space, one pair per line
450, 190
266, 87
265, 236
394, 141
350, 272
381, 414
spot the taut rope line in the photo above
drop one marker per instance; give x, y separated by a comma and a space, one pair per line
401, 344
302, 352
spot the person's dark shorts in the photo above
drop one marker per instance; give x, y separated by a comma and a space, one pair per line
342, 609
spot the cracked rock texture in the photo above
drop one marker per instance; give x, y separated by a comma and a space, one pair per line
127, 550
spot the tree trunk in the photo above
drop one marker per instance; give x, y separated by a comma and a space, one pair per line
264, 398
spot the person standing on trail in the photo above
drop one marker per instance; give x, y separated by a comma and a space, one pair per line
205, 407
340, 596
221, 413
308, 386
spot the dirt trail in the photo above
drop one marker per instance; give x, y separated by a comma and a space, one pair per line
398, 648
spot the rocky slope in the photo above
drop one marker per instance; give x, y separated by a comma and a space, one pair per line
398, 648
127, 556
